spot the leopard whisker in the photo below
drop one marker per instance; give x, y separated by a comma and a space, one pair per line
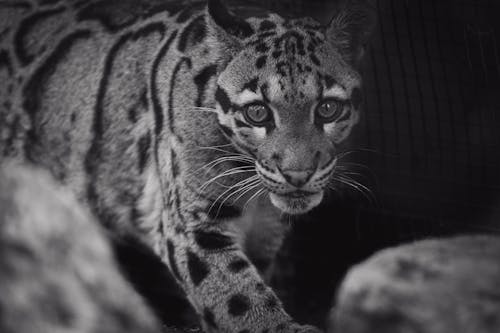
347, 171
210, 165
203, 109
243, 188
214, 146
253, 197
364, 190
217, 148
227, 173
238, 186
349, 166
248, 188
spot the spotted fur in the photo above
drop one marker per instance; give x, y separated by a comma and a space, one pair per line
141, 109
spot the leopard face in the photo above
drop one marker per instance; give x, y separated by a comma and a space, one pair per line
288, 99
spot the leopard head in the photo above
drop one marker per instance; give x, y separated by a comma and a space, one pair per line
290, 95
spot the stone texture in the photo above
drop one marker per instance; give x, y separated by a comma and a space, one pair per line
57, 270
432, 286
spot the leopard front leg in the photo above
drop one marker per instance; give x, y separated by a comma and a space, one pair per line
221, 283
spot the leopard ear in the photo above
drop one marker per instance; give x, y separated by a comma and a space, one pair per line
351, 28
225, 26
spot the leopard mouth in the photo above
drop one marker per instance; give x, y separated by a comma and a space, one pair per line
297, 202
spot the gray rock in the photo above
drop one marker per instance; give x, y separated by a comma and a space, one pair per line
433, 286
57, 271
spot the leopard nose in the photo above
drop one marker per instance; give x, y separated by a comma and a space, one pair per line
297, 178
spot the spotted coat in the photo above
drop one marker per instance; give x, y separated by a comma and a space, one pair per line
139, 108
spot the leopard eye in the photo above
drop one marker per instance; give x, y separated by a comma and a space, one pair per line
257, 114
329, 110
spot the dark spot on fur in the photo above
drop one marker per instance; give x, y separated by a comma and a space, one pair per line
281, 68
232, 24
252, 84
329, 81
210, 240
143, 99
157, 108
300, 68
240, 123
315, 59
300, 47
223, 211
21, 42
317, 40
192, 35
184, 15
261, 62
267, 25
173, 82
143, 146
226, 130
159, 228
262, 48
6, 62
244, 331
174, 164
130, 11
171, 260
271, 302
198, 269
277, 54
265, 35
209, 318
201, 80
238, 265
264, 89
132, 115
260, 287
34, 87
223, 99
238, 305
346, 116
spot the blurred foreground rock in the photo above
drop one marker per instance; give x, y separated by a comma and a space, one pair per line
57, 271
433, 286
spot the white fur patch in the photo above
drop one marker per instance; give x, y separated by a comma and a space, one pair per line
225, 119
330, 127
336, 92
260, 132
248, 96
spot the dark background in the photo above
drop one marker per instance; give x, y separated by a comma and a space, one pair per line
429, 141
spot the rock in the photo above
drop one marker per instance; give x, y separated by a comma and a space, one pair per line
432, 286
57, 269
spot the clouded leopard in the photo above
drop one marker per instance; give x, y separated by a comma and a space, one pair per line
190, 126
